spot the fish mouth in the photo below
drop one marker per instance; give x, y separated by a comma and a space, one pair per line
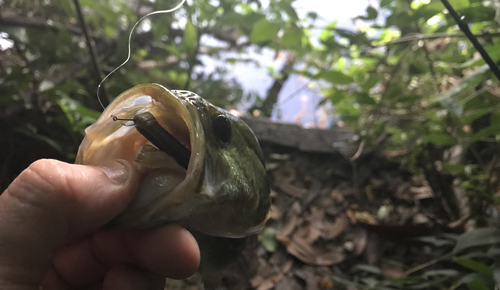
154, 127
166, 122
144, 114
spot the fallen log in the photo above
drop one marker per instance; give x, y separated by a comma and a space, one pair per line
333, 140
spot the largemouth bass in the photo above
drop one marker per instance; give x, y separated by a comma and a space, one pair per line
203, 168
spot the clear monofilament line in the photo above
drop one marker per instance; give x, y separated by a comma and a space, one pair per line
129, 45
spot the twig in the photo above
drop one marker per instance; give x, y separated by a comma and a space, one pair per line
91, 48
465, 29
491, 171
358, 152
296, 92
420, 36
425, 265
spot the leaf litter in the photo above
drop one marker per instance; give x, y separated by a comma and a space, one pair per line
354, 227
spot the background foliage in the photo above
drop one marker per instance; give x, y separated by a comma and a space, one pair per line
406, 80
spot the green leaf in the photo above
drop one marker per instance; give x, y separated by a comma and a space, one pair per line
371, 82
474, 115
439, 139
478, 237
173, 50
371, 13
476, 284
369, 269
412, 99
312, 15
441, 272
459, 168
435, 241
474, 266
47, 140
337, 96
336, 77
429, 10
288, 8
385, 3
190, 38
447, 99
264, 30
364, 99
269, 242
473, 14
292, 36
487, 132
459, 4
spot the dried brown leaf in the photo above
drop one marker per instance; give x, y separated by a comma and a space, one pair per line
337, 196
325, 283
283, 177
360, 241
270, 282
392, 270
276, 213
313, 255
410, 193
290, 227
332, 230
314, 227
361, 216
288, 266
372, 251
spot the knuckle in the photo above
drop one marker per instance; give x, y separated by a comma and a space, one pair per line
42, 183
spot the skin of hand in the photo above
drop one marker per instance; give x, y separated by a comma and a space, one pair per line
50, 218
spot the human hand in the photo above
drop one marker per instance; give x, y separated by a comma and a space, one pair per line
49, 232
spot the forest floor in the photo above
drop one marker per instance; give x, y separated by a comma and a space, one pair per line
338, 224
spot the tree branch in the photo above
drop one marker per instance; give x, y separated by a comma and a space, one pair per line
43, 24
92, 52
465, 29
272, 95
38, 23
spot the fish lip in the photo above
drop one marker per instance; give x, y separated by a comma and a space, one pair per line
189, 115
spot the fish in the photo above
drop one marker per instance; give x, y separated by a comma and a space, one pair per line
201, 167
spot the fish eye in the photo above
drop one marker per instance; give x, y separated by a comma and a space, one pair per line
222, 128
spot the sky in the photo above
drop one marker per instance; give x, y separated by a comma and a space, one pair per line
303, 107
296, 103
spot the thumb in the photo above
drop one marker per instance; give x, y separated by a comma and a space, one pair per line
53, 201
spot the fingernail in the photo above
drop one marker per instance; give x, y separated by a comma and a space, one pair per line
118, 171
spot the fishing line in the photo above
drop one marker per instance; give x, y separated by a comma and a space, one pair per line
129, 45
